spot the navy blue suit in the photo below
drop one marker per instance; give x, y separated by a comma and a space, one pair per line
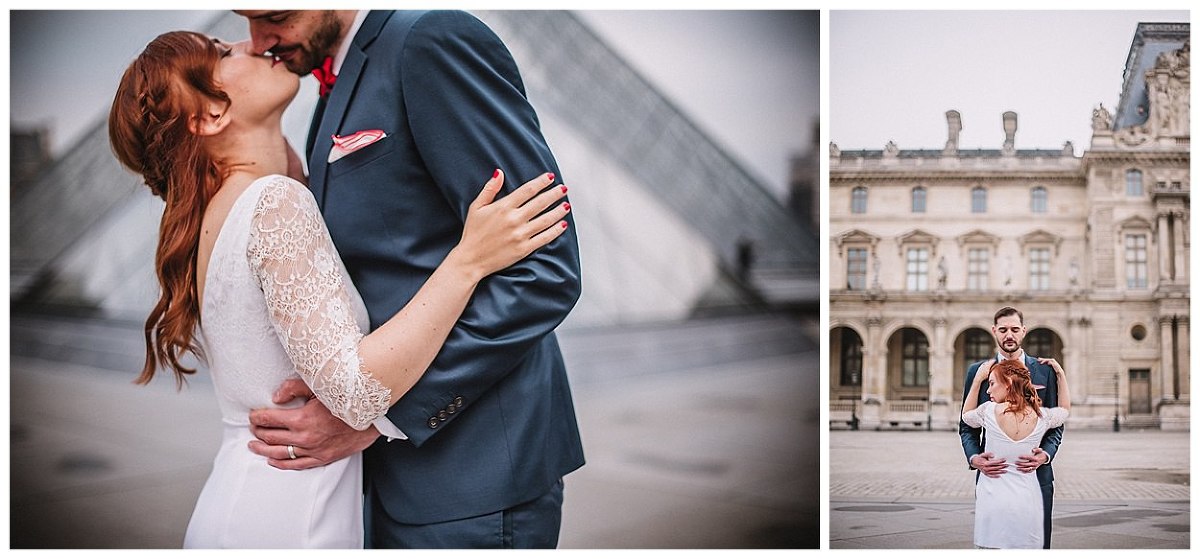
491, 424
973, 437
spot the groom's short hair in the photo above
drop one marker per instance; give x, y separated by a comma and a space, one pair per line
1007, 311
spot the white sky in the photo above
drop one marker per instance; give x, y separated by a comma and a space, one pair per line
749, 79
893, 75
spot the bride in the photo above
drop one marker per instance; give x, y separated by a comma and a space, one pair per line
1008, 508
252, 282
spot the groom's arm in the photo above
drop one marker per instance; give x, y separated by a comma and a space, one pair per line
970, 435
468, 113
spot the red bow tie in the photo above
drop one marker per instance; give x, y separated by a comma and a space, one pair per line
325, 76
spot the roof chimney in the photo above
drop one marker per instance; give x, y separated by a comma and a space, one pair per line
1010, 133
954, 123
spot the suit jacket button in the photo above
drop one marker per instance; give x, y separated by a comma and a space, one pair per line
433, 423
442, 415
458, 401
451, 408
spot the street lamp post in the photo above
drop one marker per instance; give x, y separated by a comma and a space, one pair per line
1117, 402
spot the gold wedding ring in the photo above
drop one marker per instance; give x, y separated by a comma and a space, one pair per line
291, 452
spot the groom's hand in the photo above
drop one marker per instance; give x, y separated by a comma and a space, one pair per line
988, 464
1028, 463
316, 436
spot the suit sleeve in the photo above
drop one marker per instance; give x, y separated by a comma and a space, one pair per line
971, 440
468, 113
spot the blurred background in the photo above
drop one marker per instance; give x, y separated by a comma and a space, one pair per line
688, 141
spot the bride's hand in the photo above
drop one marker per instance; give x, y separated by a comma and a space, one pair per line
498, 233
984, 370
1053, 363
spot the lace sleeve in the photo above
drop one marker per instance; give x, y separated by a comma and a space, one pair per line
974, 418
295, 263
1057, 416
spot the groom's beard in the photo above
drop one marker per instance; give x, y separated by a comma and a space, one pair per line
1010, 347
303, 58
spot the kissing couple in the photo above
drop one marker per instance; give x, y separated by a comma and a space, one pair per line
380, 329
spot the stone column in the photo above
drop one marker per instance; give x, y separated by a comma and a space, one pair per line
874, 380
1164, 250
1181, 271
1165, 378
1073, 357
1185, 386
941, 379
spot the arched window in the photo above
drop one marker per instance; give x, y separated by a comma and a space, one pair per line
977, 346
1037, 200
851, 358
858, 200
918, 200
914, 369
1133, 183
978, 200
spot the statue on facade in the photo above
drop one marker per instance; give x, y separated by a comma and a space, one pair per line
943, 272
891, 150
1101, 119
834, 152
875, 268
1073, 272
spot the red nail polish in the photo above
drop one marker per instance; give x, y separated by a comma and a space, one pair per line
564, 187
567, 206
496, 173
564, 224
550, 176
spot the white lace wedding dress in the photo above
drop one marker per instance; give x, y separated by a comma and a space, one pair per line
1008, 509
278, 301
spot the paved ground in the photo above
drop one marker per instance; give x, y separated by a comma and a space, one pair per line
702, 434
912, 490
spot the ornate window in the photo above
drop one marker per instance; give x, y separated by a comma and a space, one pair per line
1133, 183
851, 358
856, 269
918, 200
917, 260
1039, 269
978, 200
858, 200
1135, 261
1037, 200
915, 358
977, 269
858, 247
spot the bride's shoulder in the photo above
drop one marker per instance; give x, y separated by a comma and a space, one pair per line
283, 191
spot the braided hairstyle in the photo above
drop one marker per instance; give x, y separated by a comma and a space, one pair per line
151, 130
1021, 393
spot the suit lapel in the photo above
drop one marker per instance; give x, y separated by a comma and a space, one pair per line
338, 103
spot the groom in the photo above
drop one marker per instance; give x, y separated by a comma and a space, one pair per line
1008, 327
474, 454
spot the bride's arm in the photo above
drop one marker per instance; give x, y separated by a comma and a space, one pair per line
1058, 415
357, 377
972, 400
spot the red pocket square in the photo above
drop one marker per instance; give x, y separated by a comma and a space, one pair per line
350, 143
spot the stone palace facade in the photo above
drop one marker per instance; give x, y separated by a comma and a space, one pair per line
925, 245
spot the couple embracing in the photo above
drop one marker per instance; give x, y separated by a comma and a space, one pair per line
380, 330
1014, 408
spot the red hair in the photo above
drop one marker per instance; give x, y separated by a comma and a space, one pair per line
150, 128
1021, 393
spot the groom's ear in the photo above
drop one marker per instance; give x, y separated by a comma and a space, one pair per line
211, 121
